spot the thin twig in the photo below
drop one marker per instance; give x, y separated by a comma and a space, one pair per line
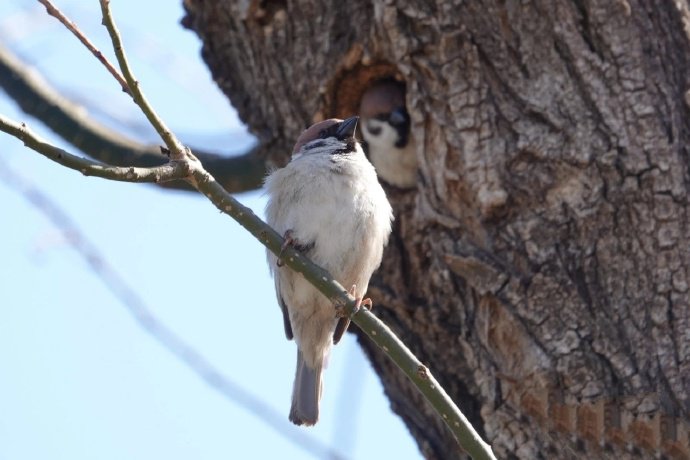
35, 96
148, 321
177, 150
56, 13
167, 172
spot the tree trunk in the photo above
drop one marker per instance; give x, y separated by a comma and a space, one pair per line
541, 267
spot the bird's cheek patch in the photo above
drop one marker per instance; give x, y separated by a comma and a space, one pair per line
373, 129
349, 147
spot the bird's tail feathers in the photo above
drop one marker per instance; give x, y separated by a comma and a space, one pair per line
306, 393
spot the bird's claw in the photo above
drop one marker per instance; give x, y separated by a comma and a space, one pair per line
359, 304
289, 241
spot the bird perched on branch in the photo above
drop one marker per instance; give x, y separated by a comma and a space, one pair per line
329, 205
385, 128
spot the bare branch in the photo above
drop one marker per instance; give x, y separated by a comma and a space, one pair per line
55, 12
177, 150
169, 171
148, 321
36, 97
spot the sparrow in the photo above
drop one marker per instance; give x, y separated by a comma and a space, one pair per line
329, 205
385, 126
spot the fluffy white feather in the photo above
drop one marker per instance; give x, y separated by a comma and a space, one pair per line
395, 165
329, 199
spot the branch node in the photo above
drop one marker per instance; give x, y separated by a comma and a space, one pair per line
423, 372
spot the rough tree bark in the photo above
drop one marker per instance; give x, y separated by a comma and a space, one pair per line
541, 267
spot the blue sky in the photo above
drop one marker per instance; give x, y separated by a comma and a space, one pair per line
79, 378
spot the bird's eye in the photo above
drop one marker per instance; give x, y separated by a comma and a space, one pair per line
328, 132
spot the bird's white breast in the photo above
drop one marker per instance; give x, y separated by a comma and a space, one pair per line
334, 201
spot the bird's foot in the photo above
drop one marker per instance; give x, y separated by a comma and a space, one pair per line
359, 304
345, 317
289, 241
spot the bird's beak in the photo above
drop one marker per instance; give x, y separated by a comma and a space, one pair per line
346, 128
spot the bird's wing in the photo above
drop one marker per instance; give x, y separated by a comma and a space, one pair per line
283, 308
279, 275
340, 329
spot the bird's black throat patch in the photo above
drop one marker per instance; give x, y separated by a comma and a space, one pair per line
350, 147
